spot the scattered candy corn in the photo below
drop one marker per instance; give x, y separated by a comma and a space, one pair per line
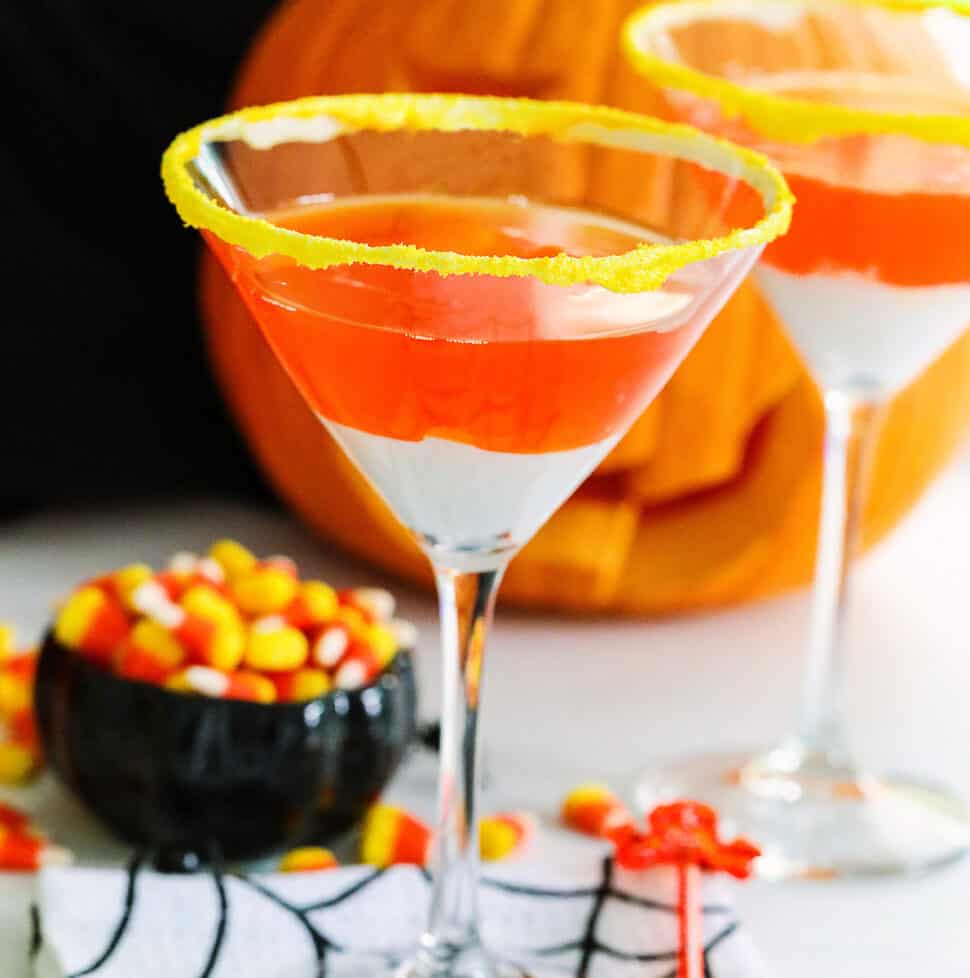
24, 853
20, 755
504, 835
594, 810
391, 836
13, 819
306, 859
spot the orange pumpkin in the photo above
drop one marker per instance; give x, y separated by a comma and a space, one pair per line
712, 497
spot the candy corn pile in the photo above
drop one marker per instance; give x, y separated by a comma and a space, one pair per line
393, 836
233, 626
19, 748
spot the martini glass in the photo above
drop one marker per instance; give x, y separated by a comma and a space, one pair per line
476, 313
866, 108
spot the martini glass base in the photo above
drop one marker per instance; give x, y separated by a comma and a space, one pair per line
817, 820
471, 962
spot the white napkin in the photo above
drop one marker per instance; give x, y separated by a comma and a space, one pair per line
583, 917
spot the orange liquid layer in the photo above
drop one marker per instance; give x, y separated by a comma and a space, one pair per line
902, 239
506, 364
883, 205
889, 206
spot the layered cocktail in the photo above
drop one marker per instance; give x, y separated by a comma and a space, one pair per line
477, 315
866, 108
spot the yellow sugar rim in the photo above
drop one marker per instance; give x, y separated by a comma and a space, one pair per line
319, 119
791, 120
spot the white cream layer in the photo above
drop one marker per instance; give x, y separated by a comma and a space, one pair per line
859, 334
460, 496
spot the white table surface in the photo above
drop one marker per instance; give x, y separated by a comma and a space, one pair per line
569, 700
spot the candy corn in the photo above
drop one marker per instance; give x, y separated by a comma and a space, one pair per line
306, 859
187, 570
22, 847
594, 809
354, 620
301, 685
274, 646
20, 852
6, 642
234, 559
392, 836
13, 819
150, 654
265, 589
240, 685
21, 666
179, 682
22, 730
17, 762
19, 744
206, 603
122, 583
92, 622
374, 603
314, 604
330, 645
270, 634
211, 629
382, 640
191, 567
505, 835
283, 563
361, 665
16, 692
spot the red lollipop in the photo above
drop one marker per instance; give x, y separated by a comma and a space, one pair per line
683, 834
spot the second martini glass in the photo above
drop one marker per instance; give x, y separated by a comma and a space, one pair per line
866, 108
476, 309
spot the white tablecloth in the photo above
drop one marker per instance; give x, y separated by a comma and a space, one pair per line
725, 680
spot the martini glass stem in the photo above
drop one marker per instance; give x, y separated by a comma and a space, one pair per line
466, 602
851, 425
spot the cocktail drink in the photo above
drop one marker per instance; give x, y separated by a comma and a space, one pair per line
467, 414
865, 106
470, 309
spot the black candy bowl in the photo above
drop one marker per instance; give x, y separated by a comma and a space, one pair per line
191, 774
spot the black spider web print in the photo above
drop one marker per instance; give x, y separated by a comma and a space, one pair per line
586, 945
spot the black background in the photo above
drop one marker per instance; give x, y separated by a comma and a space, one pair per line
105, 390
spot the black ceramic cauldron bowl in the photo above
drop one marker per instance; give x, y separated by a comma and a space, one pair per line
193, 774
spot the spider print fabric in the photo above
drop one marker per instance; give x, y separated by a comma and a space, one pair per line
601, 923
